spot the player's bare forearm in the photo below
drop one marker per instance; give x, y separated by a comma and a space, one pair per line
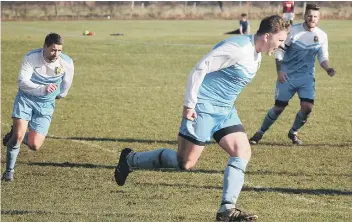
325, 65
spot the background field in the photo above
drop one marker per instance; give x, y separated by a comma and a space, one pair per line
128, 92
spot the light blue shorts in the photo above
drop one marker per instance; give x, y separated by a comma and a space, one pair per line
305, 88
38, 114
211, 121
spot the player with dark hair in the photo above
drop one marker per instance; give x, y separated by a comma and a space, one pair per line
46, 74
295, 70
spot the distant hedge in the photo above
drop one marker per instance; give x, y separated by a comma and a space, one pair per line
73, 10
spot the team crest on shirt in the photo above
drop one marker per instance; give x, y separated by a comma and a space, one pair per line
316, 39
59, 70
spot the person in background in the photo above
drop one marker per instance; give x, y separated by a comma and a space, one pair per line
295, 61
289, 11
244, 26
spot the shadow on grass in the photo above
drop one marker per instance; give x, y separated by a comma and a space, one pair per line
23, 212
43, 212
174, 142
125, 140
71, 165
261, 189
283, 144
257, 172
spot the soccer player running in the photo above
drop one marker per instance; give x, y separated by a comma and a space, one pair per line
213, 86
46, 74
295, 69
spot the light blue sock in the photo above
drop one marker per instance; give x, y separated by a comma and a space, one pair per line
11, 156
233, 182
25, 138
300, 120
269, 119
160, 158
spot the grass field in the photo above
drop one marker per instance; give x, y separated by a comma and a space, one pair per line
128, 92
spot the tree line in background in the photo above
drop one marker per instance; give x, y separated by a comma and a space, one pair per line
66, 10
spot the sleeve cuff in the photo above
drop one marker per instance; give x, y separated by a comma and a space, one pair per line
189, 104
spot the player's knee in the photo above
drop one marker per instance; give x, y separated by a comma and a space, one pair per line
34, 146
279, 109
307, 109
185, 165
243, 150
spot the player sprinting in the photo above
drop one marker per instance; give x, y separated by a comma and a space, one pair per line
213, 86
46, 74
295, 70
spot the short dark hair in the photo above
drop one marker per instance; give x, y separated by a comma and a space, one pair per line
272, 24
53, 38
314, 7
243, 14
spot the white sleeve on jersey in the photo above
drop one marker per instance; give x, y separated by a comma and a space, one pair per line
220, 58
67, 81
323, 53
24, 79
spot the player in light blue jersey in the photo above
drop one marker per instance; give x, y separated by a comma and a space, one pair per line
295, 68
46, 74
213, 86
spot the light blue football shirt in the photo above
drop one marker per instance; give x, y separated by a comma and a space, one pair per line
35, 74
221, 75
300, 50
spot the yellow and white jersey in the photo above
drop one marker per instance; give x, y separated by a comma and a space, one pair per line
35, 74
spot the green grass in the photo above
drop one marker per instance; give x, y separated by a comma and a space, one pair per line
128, 92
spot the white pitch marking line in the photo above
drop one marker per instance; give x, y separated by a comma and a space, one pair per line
76, 141
302, 199
87, 143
